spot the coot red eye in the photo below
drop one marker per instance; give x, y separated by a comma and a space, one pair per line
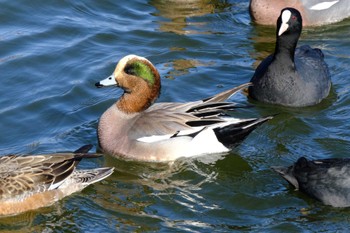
294, 17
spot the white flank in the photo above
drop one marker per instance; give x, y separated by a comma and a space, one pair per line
207, 142
323, 5
204, 142
229, 121
285, 18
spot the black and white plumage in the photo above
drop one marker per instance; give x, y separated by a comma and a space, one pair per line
137, 128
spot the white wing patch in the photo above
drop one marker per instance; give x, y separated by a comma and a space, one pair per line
323, 5
157, 138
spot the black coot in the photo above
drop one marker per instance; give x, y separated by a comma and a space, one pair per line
291, 77
327, 180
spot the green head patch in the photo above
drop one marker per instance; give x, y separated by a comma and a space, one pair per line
142, 70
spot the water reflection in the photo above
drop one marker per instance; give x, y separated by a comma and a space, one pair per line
180, 67
264, 39
30, 221
176, 13
138, 189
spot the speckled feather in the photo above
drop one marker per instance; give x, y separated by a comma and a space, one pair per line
33, 181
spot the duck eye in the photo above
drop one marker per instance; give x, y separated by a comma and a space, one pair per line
129, 70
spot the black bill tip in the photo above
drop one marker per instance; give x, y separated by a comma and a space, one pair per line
98, 84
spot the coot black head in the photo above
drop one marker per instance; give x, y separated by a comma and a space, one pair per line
289, 22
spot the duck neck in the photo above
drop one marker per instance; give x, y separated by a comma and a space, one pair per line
138, 99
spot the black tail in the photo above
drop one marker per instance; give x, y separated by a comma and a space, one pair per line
232, 135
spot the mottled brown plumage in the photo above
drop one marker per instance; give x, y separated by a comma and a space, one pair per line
32, 181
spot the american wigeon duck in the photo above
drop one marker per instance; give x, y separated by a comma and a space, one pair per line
291, 76
314, 12
135, 128
327, 180
33, 181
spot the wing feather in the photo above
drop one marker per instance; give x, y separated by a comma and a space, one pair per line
170, 118
22, 176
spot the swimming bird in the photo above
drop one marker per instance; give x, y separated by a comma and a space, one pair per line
327, 180
314, 12
137, 128
29, 182
291, 77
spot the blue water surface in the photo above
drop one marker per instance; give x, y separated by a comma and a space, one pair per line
52, 53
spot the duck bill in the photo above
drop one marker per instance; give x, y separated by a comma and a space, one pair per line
109, 81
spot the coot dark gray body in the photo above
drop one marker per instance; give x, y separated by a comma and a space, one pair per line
291, 77
327, 180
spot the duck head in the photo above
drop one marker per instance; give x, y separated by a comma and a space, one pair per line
140, 81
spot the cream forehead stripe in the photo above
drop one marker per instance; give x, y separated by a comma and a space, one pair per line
124, 60
286, 14
127, 58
